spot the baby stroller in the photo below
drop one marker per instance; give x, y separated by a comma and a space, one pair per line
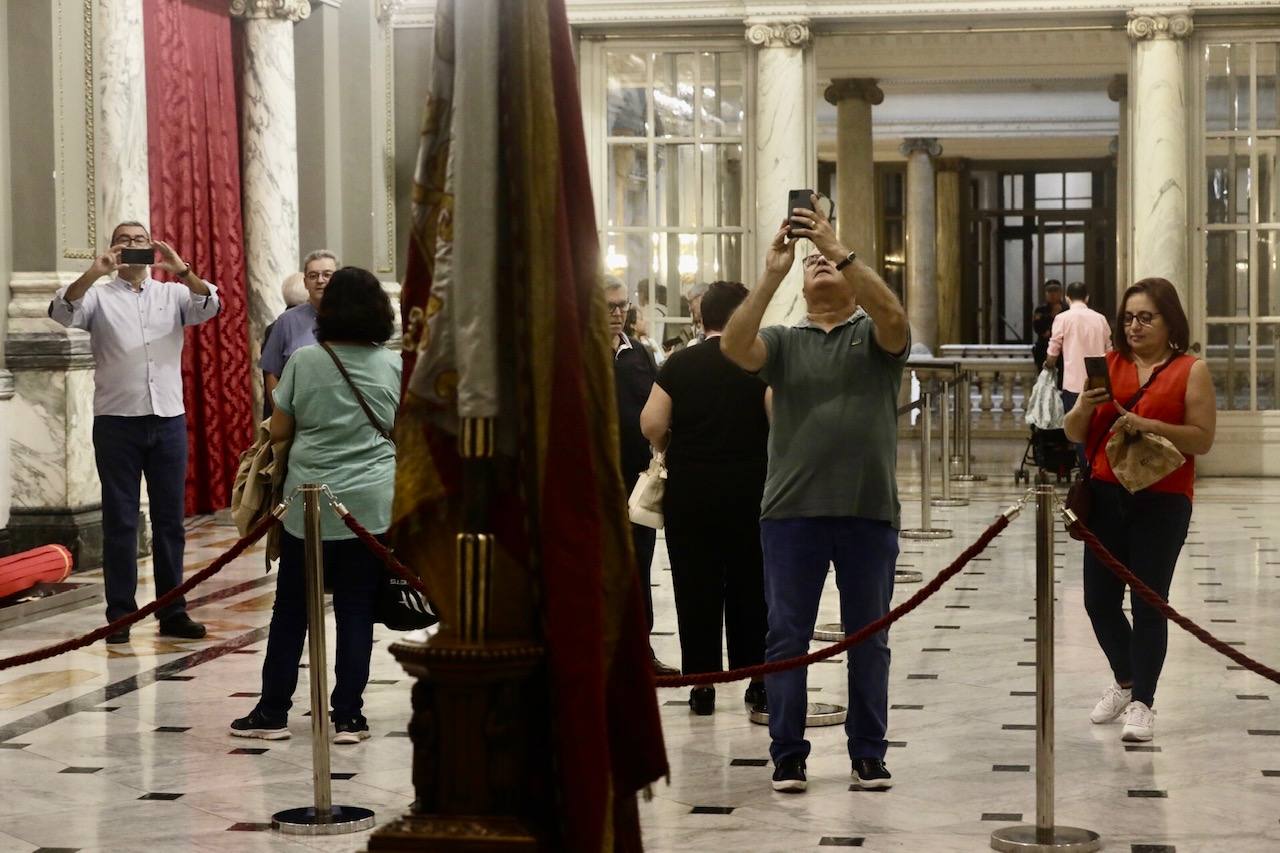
1047, 448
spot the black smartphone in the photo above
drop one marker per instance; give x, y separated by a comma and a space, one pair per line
138, 257
1097, 375
798, 198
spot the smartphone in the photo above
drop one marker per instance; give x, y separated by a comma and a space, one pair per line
138, 256
798, 198
1097, 375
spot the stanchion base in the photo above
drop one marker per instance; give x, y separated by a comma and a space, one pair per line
819, 714
932, 533
968, 478
304, 821
829, 632
950, 501
906, 576
1030, 839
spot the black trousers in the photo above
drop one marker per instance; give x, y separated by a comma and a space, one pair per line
717, 571
1145, 532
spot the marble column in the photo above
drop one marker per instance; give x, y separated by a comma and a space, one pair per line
922, 286
1118, 91
6, 268
853, 98
269, 161
120, 89
1160, 130
783, 157
949, 253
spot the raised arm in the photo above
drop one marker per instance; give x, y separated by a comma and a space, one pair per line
69, 306
741, 342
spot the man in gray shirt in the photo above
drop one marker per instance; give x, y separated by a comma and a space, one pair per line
296, 327
831, 490
135, 327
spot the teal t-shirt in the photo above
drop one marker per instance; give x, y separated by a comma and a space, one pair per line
333, 441
833, 444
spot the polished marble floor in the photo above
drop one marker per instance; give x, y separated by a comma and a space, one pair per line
111, 750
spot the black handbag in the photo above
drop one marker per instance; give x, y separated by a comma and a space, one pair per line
399, 606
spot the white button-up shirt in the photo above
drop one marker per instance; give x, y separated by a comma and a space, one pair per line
136, 338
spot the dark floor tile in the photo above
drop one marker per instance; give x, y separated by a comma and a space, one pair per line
840, 841
246, 652
248, 750
1140, 747
966, 589
80, 770
12, 745
57, 850
249, 827
1208, 583
174, 729
397, 734
1003, 817
1022, 693
855, 788
662, 633
1256, 696
342, 777
957, 607
947, 627
1019, 727
1265, 732
1011, 768
922, 676
1271, 774
1152, 848
749, 762
1026, 663
159, 796
384, 681
176, 678
244, 695
1235, 667
105, 709
1148, 793
1223, 621
1217, 601
711, 810
897, 744
675, 702
906, 707
934, 649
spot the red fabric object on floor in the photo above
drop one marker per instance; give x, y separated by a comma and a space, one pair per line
46, 564
193, 148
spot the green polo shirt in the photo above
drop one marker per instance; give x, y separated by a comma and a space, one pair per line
833, 444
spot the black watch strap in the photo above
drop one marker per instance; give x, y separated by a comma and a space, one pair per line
852, 256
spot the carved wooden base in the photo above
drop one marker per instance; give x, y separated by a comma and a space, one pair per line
481, 767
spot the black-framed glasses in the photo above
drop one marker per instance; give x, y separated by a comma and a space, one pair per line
1144, 318
618, 307
125, 240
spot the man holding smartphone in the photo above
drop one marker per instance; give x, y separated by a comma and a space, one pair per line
135, 327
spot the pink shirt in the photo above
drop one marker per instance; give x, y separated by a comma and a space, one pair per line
1077, 332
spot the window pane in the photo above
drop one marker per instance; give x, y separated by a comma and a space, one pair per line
731, 257
1073, 272
675, 185
1079, 185
1268, 196
1266, 260
721, 184
1074, 247
1052, 249
1268, 86
1228, 358
628, 82
722, 94
673, 94
1227, 171
1227, 273
1226, 86
1269, 366
1049, 190
1014, 283
676, 265
628, 185
627, 257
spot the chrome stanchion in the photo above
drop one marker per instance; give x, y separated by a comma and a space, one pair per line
945, 409
324, 818
1044, 836
966, 474
926, 530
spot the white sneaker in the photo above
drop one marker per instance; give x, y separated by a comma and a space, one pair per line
1139, 723
1112, 704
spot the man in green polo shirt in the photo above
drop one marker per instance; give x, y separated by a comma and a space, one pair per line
831, 493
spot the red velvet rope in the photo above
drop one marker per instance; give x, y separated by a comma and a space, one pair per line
259, 530
1153, 598
853, 639
382, 552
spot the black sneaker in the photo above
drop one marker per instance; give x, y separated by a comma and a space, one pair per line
789, 778
350, 729
259, 725
118, 637
871, 774
182, 626
702, 700
755, 698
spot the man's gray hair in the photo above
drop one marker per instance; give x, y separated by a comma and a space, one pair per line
612, 282
697, 289
317, 255
294, 290
133, 222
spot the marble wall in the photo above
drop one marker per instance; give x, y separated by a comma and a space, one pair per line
121, 114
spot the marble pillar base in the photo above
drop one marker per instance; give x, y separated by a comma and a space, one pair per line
79, 530
6, 542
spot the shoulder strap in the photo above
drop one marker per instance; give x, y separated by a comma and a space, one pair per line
368, 412
1133, 401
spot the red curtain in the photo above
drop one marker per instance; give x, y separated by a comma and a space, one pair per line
193, 144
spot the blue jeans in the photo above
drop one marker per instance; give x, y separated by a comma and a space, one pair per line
128, 449
354, 574
797, 552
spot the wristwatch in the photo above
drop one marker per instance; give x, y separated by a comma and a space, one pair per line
853, 256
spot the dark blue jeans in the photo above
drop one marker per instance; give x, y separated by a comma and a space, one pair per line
128, 449
353, 573
797, 552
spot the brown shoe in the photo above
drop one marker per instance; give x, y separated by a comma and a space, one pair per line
660, 668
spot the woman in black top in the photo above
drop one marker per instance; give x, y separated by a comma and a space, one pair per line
709, 417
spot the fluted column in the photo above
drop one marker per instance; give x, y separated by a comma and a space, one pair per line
269, 162
1159, 197
1118, 91
782, 155
922, 288
853, 98
120, 89
949, 252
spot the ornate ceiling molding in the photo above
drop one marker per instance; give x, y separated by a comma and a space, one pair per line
1148, 24
778, 32
928, 144
863, 88
280, 10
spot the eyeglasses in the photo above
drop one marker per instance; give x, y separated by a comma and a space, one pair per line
125, 240
812, 260
322, 275
618, 307
1144, 318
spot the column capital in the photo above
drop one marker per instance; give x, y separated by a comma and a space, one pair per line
1118, 87
928, 144
1159, 24
863, 88
281, 10
778, 32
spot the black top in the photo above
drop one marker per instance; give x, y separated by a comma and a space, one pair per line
633, 375
719, 428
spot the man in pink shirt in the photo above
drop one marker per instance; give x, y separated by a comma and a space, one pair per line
1077, 332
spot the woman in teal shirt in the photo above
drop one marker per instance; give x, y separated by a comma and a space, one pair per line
333, 443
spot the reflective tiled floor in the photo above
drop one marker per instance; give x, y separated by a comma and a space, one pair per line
127, 751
